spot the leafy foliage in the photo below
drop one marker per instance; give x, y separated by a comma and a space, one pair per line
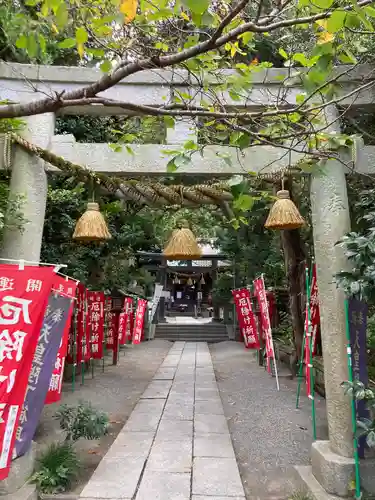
57, 467
202, 38
359, 247
365, 426
82, 421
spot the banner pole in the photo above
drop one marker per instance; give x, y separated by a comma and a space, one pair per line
74, 349
271, 340
300, 368
354, 417
310, 361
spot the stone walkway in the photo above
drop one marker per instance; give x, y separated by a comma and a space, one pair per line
176, 444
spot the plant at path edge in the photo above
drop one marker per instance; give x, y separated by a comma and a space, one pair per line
59, 464
57, 468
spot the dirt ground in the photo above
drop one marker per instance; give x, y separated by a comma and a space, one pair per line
115, 391
269, 435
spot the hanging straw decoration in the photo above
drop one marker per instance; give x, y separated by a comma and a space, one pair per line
284, 214
182, 245
189, 282
176, 281
202, 281
91, 226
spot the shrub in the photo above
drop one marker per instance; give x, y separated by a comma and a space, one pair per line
57, 468
82, 421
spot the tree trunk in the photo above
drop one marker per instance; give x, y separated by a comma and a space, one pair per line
295, 257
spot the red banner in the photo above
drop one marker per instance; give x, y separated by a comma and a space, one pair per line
69, 288
23, 298
314, 310
260, 293
83, 334
95, 306
307, 353
129, 310
126, 321
139, 320
111, 322
122, 328
246, 319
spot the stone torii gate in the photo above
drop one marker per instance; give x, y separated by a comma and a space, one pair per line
332, 462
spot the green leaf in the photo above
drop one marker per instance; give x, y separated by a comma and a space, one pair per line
129, 150
68, 43
171, 166
117, 148
62, 15
190, 145
323, 4
244, 202
283, 53
81, 35
21, 42
106, 66
246, 37
169, 121
370, 11
336, 21
196, 6
42, 43
32, 47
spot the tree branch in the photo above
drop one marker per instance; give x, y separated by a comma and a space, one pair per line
125, 69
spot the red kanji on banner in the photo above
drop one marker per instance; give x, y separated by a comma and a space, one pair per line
111, 324
139, 320
95, 305
23, 300
260, 293
307, 353
246, 319
83, 334
129, 320
314, 308
122, 328
69, 288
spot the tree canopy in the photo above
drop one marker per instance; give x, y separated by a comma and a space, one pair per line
312, 39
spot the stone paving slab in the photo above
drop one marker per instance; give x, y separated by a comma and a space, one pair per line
133, 444
116, 479
164, 486
179, 415
216, 477
150, 406
157, 389
213, 445
209, 408
166, 373
199, 497
171, 456
210, 423
142, 422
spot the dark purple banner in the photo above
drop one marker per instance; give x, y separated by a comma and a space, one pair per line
41, 369
357, 327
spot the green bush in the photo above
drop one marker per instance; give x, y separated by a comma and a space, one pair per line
57, 468
82, 421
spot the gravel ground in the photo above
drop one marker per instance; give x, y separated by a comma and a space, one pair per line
116, 391
269, 435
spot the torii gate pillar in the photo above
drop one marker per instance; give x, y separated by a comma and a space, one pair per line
332, 461
29, 181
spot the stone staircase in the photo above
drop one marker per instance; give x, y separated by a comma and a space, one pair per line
208, 332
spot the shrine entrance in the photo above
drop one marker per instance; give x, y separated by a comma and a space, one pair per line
188, 284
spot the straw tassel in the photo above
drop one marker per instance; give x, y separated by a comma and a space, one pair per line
284, 214
91, 226
182, 245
